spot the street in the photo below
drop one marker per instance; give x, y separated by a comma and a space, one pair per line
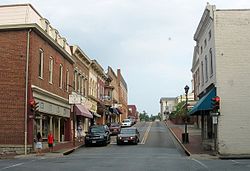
157, 150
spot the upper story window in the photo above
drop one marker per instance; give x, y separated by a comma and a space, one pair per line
202, 73
209, 35
85, 87
40, 67
74, 80
67, 80
201, 49
79, 83
60, 76
51, 64
205, 43
211, 62
82, 85
206, 68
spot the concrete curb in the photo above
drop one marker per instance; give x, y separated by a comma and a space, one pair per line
234, 157
184, 148
67, 152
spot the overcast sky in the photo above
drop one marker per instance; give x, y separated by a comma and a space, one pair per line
151, 41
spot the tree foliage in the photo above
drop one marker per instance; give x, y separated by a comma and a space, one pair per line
145, 117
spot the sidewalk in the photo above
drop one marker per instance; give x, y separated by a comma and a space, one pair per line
194, 147
59, 150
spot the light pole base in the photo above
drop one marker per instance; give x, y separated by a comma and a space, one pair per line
185, 139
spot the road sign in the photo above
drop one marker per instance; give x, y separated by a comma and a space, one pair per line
74, 99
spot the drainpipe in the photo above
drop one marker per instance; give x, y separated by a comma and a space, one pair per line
26, 93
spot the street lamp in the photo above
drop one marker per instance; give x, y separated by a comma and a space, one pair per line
185, 136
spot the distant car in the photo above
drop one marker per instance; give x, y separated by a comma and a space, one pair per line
157, 120
97, 134
128, 135
115, 128
126, 123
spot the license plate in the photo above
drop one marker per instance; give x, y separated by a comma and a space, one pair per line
125, 140
93, 141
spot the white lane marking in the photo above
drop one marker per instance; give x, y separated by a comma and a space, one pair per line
146, 134
200, 163
14, 165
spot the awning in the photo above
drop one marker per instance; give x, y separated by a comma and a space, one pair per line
96, 114
205, 103
114, 110
82, 111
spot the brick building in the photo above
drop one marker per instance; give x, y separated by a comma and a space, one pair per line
133, 113
36, 64
123, 95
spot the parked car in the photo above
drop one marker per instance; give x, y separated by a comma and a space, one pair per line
115, 128
126, 123
128, 135
97, 134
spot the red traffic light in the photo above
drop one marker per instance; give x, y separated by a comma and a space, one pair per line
216, 103
33, 105
216, 99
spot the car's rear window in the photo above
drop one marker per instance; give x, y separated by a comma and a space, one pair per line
114, 125
97, 129
128, 131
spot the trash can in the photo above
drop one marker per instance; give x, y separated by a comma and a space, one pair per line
185, 138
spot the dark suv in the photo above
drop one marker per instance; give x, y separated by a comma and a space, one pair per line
97, 134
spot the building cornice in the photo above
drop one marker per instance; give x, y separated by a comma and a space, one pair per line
208, 15
77, 51
49, 94
42, 33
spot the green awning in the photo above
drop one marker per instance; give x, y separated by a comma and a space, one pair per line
205, 103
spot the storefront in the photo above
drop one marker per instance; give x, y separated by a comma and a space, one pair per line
53, 115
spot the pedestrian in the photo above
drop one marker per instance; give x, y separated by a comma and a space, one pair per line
50, 141
39, 144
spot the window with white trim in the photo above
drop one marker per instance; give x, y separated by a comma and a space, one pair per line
67, 80
40, 67
211, 62
202, 73
206, 68
74, 81
60, 76
51, 63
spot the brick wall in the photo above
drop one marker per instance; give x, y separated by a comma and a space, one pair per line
37, 43
12, 86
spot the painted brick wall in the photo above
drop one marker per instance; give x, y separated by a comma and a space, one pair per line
232, 41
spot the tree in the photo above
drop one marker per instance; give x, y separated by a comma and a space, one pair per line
144, 116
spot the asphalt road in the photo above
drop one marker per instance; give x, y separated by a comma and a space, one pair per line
157, 150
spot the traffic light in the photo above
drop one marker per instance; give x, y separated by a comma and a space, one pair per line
34, 106
216, 104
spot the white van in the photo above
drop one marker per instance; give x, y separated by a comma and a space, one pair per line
126, 123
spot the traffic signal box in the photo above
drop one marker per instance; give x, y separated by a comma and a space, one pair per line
34, 106
216, 104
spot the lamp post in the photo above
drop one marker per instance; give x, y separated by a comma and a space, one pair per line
185, 139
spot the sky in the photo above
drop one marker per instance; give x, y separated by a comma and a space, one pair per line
151, 41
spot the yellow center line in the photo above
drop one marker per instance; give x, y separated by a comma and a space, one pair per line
146, 134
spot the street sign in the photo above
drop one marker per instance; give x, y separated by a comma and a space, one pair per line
215, 119
74, 99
